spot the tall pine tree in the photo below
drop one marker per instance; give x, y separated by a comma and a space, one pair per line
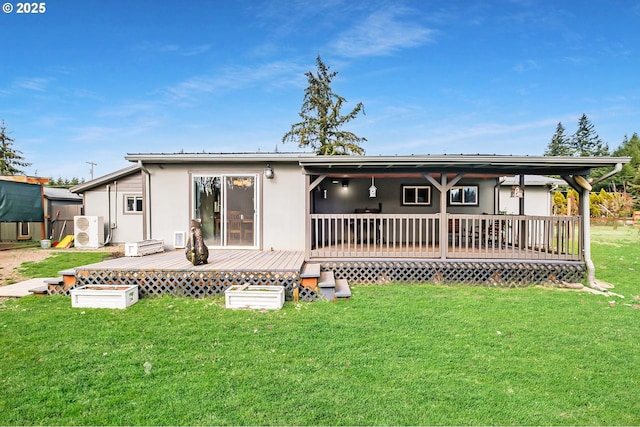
559, 145
321, 125
586, 142
10, 158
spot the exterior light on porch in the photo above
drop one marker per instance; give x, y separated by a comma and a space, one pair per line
517, 192
345, 184
268, 172
373, 191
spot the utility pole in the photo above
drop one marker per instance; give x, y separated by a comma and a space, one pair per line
92, 165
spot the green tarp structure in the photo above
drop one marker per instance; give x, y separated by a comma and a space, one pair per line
20, 202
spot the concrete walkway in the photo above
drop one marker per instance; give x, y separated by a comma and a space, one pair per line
22, 289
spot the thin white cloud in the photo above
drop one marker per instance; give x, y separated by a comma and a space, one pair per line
172, 48
91, 134
38, 84
98, 134
476, 136
382, 33
131, 109
274, 74
195, 50
527, 65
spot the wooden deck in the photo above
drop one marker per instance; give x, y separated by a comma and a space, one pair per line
171, 273
219, 260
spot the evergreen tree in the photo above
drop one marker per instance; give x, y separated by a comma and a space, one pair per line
586, 142
321, 125
65, 183
629, 178
629, 148
10, 158
560, 144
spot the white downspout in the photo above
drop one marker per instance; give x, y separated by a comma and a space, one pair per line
108, 239
147, 202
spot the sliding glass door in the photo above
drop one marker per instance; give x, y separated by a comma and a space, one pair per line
226, 205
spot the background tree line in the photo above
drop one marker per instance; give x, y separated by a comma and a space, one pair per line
586, 142
12, 161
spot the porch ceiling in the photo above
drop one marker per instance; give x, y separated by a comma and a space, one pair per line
480, 165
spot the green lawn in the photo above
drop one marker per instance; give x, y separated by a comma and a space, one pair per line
61, 261
399, 354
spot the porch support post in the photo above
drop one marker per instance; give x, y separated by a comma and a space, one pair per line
524, 230
586, 237
585, 234
443, 187
307, 213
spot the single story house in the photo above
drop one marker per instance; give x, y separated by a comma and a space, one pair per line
372, 219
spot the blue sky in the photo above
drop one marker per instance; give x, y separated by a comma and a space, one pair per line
92, 80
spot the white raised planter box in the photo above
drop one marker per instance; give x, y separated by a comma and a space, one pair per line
104, 296
254, 296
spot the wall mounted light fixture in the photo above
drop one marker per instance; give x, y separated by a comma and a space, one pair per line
373, 191
517, 192
345, 184
268, 172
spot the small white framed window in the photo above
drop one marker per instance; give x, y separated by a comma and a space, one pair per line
464, 196
416, 195
132, 203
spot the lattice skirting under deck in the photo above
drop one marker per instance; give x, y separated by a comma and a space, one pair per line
197, 284
493, 273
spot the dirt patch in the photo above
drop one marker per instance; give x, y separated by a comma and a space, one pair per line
11, 259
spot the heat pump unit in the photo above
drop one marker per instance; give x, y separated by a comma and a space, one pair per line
88, 231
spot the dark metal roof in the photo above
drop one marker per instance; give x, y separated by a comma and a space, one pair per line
61, 194
476, 164
217, 157
479, 164
105, 179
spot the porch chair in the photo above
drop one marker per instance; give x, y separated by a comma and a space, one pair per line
496, 234
454, 229
234, 226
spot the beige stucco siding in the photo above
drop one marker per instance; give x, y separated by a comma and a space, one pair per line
284, 208
109, 202
537, 201
280, 201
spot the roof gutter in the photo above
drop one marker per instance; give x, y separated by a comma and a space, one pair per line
617, 168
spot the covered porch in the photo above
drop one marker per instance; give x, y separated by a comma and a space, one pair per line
467, 236
442, 214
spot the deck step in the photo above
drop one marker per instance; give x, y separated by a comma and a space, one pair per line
310, 270
69, 272
54, 281
327, 280
327, 285
342, 289
40, 290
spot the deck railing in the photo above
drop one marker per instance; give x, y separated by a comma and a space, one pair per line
468, 236
515, 237
374, 235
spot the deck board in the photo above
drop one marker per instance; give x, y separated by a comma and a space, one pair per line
219, 260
